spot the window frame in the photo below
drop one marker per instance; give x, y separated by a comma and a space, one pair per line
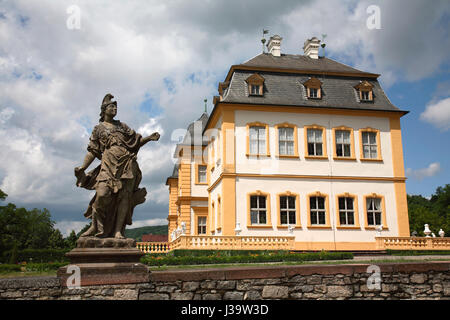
205, 226
383, 212
258, 124
364, 86
313, 83
255, 80
324, 141
361, 144
297, 209
356, 224
201, 212
327, 224
268, 223
277, 136
197, 174
352, 143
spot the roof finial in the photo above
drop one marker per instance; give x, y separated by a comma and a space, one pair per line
263, 40
206, 100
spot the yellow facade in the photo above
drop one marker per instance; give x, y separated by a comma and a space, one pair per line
221, 215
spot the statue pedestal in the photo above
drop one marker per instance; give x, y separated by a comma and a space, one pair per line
105, 261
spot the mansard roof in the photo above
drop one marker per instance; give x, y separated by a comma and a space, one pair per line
289, 90
285, 79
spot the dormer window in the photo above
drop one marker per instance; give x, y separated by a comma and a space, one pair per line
255, 85
365, 91
313, 88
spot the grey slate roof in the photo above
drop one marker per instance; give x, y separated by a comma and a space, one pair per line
299, 62
189, 139
288, 89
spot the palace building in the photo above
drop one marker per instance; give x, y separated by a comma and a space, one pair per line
299, 152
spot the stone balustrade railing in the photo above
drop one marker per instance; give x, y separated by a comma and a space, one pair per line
153, 247
233, 242
412, 243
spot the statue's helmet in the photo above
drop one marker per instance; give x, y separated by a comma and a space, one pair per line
107, 100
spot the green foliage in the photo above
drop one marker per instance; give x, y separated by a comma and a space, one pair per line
434, 212
56, 240
27, 228
44, 267
31, 267
22, 229
34, 255
261, 257
137, 233
71, 241
417, 252
13, 255
2, 195
7, 268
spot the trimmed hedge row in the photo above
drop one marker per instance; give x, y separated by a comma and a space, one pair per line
160, 260
37, 255
7, 268
417, 252
31, 267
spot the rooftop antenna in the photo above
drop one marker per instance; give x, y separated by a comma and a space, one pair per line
263, 40
323, 43
206, 100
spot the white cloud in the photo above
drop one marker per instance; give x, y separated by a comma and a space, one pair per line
438, 114
66, 226
149, 222
420, 174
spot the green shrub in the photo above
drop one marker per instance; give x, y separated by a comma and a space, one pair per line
44, 267
226, 258
6, 268
416, 252
34, 255
42, 255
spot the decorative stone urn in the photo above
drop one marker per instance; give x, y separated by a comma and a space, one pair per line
441, 233
238, 229
427, 231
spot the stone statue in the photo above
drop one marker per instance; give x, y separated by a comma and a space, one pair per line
116, 180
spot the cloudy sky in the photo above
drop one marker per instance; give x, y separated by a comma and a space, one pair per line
160, 59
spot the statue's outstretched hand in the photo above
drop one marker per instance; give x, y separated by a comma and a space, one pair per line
79, 171
154, 136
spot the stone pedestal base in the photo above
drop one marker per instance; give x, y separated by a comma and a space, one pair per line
105, 261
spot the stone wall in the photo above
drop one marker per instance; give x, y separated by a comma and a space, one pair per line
423, 280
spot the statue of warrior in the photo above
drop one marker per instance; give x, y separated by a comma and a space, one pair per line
116, 180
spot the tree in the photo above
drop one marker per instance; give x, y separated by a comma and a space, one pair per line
435, 212
29, 229
2, 195
71, 241
56, 240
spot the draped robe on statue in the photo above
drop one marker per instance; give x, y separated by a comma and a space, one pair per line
117, 147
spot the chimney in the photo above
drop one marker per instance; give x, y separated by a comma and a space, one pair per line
311, 48
274, 45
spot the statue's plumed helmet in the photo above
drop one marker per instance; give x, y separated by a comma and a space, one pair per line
107, 100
